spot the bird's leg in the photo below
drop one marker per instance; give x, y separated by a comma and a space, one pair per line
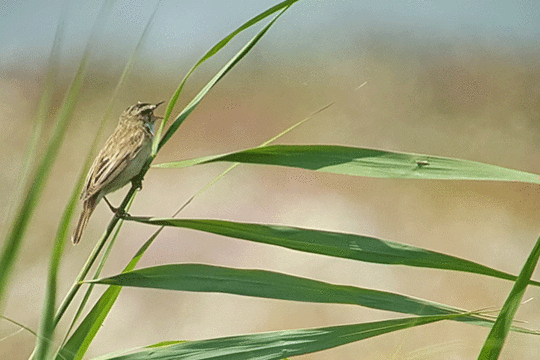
121, 213
137, 182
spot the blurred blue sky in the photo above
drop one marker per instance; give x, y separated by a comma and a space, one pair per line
27, 27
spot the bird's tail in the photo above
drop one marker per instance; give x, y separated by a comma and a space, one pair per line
88, 208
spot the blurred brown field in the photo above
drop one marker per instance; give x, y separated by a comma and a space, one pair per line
462, 98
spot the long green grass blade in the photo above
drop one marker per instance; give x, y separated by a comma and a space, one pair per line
47, 322
22, 327
342, 245
366, 162
10, 248
31, 154
198, 98
214, 50
78, 343
275, 345
495, 340
88, 292
273, 285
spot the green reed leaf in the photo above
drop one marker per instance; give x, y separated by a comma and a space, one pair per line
365, 162
336, 244
495, 340
273, 285
275, 345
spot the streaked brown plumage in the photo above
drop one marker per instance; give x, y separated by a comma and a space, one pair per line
121, 159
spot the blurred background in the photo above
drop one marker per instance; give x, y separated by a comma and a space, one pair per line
458, 79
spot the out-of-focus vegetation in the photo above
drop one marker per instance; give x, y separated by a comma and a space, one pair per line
451, 97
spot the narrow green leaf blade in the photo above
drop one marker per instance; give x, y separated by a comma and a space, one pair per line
80, 340
239, 56
30, 197
495, 340
342, 245
273, 285
276, 345
214, 50
47, 323
366, 162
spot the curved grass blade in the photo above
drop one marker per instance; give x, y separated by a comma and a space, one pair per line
47, 323
366, 162
342, 245
100, 266
80, 340
278, 344
158, 141
21, 326
239, 56
42, 111
273, 285
495, 340
13, 241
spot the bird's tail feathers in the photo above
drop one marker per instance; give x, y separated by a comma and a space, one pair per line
88, 208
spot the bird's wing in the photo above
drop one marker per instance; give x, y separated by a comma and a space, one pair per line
119, 149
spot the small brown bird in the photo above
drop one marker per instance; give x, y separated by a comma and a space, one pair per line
120, 161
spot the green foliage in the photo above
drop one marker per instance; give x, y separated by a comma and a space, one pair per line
347, 246
272, 285
256, 283
365, 162
277, 345
495, 340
